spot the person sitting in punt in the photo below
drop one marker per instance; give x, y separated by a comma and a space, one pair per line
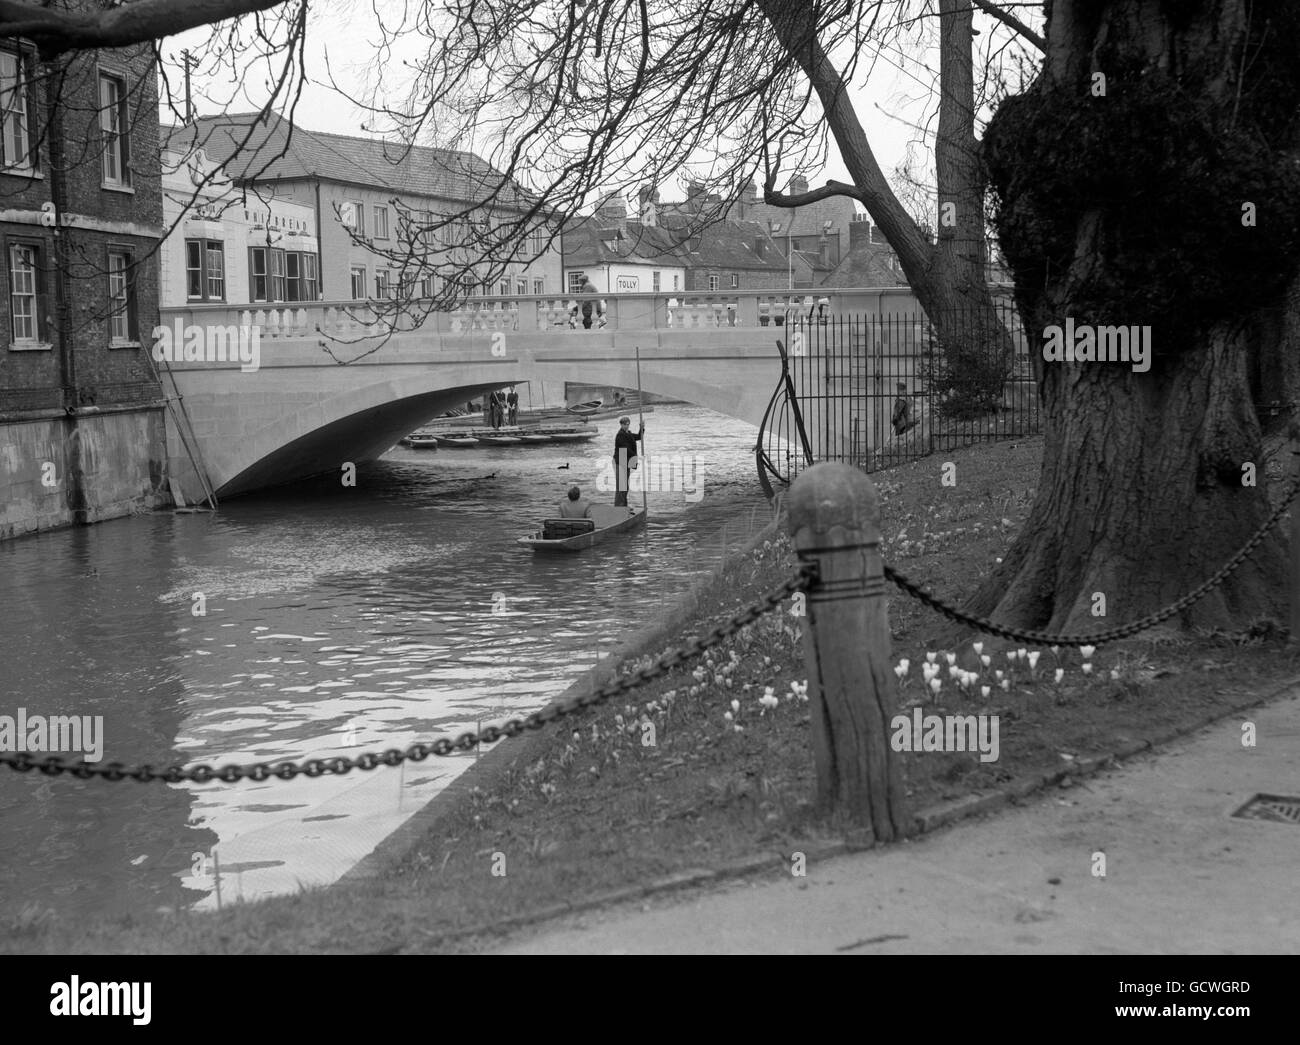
575, 507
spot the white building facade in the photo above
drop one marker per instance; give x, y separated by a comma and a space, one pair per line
227, 245
626, 277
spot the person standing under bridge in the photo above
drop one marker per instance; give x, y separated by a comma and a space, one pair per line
625, 461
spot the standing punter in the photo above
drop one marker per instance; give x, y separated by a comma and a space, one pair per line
624, 457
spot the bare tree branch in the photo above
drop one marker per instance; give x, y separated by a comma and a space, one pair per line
1011, 21
56, 31
802, 199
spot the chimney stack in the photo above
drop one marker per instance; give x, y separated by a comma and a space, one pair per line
613, 211
798, 185
647, 196
860, 232
748, 200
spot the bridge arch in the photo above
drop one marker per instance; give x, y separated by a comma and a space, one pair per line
279, 431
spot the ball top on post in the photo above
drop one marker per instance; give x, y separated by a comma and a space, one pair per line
832, 496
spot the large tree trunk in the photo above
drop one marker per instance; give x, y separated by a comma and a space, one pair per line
948, 278
1141, 495
1141, 498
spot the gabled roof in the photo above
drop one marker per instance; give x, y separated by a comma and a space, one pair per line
865, 265
730, 244
587, 243
807, 220
273, 149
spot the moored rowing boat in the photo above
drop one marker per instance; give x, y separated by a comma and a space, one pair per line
572, 435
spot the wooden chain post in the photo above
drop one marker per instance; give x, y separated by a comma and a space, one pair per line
834, 518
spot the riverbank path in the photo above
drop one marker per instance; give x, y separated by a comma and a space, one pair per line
1183, 875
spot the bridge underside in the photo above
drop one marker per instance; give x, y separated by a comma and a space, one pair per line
274, 426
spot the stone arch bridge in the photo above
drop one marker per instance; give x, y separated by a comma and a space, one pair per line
276, 405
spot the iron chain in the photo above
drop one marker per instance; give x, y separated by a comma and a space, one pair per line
53, 765
1110, 634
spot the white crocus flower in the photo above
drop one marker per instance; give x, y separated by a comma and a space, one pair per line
1087, 651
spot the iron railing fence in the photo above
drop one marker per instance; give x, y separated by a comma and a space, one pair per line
845, 375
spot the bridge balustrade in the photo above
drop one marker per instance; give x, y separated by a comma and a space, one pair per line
549, 314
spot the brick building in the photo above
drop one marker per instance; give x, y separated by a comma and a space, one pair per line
81, 408
819, 231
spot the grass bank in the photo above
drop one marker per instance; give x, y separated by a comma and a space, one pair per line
710, 767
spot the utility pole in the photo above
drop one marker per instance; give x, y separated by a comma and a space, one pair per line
789, 250
189, 61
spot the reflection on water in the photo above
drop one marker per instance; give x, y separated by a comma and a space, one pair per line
312, 621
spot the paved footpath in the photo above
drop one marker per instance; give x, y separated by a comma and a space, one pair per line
1182, 875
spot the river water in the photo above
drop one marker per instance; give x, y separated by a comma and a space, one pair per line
334, 620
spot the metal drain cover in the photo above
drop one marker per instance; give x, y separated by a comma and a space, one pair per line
1277, 809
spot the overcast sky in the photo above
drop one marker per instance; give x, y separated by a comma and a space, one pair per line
343, 37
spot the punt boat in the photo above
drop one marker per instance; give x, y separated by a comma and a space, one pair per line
572, 435
459, 440
573, 535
